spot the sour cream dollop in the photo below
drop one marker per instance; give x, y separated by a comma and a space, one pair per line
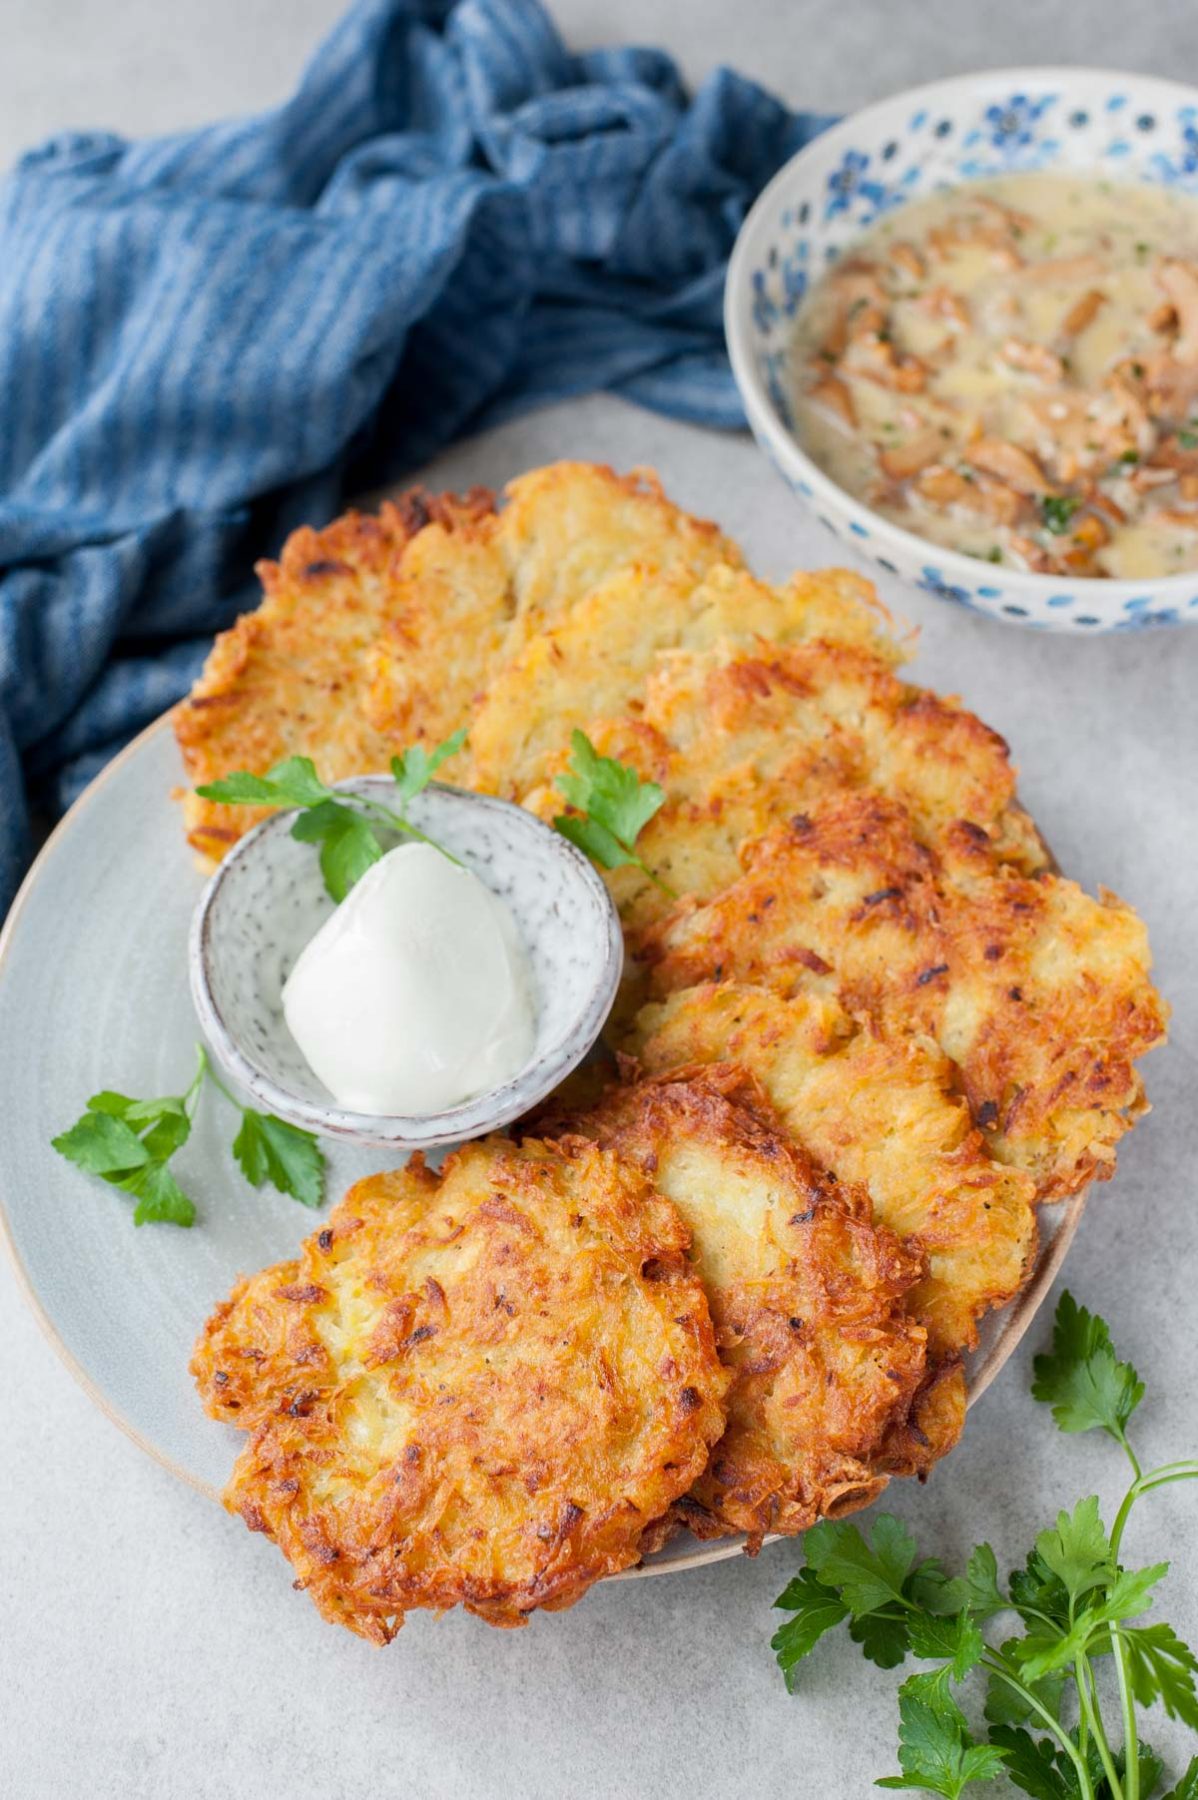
414, 995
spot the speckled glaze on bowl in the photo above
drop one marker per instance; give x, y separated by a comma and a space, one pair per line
267, 899
1001, 122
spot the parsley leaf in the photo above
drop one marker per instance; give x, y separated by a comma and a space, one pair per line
614, 803
866, 1575
348, 844
129, 1144
595, 841
883, 1637
1056, 511
268, 1149
609, 789
956, 1640
1077, 1549
1082, 1379
413, 769
101, 1144
1035, 1766
1048, 1648
1163, 1668
1078, 1552
817, 1609
160, 1199
345, 825
983, 1596
109, 1102
935, 1750
1035, 1589
292, 782
1130, 1594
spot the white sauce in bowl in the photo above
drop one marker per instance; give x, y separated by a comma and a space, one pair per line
1010, 369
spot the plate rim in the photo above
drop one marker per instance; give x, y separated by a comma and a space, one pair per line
1016, 1317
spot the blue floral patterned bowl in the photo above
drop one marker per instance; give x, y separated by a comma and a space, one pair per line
997, 123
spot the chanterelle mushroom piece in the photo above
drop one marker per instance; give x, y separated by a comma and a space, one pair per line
874, 357
1172, 386
943, 487
1062, 269
1033, 359
903, 460
1083, 312
1180, 282
832, 393
1017, 468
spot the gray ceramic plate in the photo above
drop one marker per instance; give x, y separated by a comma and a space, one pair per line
94, 993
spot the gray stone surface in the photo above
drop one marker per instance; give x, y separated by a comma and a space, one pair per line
150, 1647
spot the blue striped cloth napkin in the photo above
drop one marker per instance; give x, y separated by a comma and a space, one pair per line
209, 338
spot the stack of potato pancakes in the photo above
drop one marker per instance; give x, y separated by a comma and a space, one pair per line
728, 1284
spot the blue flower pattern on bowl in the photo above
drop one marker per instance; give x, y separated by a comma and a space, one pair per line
1184, 161
933, 582
1012, 124
1139, 621
849, 183
981, 134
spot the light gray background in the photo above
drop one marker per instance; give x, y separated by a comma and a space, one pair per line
148, 1645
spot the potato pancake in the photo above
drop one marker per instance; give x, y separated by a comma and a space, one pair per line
805, 1293
563, 532
595, 658
478, 1388
291, 678
741, 741
377, 633
880, 1114
1039, 994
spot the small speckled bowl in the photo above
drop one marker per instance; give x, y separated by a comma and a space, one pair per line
268, 899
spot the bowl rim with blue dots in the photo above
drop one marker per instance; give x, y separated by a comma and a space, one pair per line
965, 128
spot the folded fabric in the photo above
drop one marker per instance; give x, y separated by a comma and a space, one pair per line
208, 338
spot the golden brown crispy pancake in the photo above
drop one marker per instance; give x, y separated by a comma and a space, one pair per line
478, 1388
564, 532
377, 633
1037, 993
291, 678
741, 741
877, 1113
806, 1296
595, 658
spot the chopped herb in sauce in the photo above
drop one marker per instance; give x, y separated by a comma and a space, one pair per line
1056, 511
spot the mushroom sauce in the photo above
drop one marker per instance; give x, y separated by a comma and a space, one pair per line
1010, 369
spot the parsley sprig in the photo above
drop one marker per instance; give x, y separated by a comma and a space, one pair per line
130, 1143
345, 825
612, 806
1075, 1601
